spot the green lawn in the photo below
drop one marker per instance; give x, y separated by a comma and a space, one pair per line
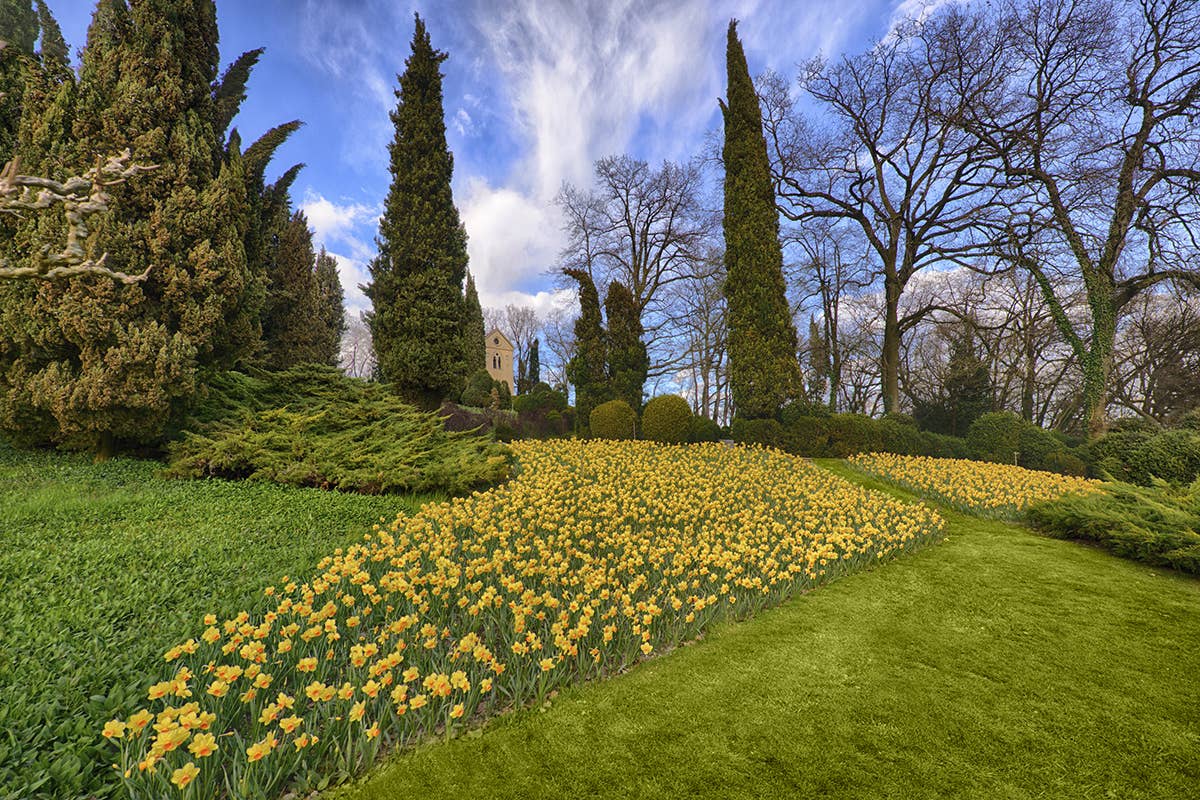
104, 566
998, 664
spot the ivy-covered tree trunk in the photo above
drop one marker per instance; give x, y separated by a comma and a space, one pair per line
764, 371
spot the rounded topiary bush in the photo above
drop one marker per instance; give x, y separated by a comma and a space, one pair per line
808, 436
899, 436
1035, 445
478, 393
1172, 456
850, 434
667, 419
613, 420
996, 436
703, 429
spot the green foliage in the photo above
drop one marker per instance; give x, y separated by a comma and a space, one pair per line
480, 389
475, 337
1171, 456
101, 564
587, 369
416, 288
293, 329
896, 436
534, 372
615, 419
1158, 525
941, 446
703, 429
331, 310
763, 369
1065, 463
540, 398
91, 363
310, 426
853, 433
996, 436
767, 432
628, 360
667, 419
966, 392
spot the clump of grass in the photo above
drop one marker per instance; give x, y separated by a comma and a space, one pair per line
1158, 525
311, 426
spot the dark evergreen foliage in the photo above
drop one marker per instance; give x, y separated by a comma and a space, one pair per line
587, 369
628, 360
416, 288
292, 327
473, 330
764, 372
331, 310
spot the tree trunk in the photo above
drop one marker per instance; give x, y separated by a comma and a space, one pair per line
890, 358
105, 447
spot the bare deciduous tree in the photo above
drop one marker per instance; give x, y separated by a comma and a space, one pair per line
1094, 133
888, 156
646, 228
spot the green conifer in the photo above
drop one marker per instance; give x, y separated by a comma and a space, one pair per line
763, 369
292, 328
473, 331
331, 308
628, 361
416, 286
89, 362
587, 369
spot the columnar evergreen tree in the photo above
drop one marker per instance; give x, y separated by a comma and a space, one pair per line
628, 360
293, 331
587, 368
331, 309
534, 375
763, 369
416, 286
19, 32
473, 330
89, 362
818, 361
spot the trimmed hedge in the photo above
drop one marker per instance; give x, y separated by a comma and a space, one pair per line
667, 419
703, 429
615, 419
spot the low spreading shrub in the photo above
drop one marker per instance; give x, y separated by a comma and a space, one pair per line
313, 427
667, 419
613, 420
1157, 525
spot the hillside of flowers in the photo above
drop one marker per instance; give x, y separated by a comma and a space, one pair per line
596, 555
991, 490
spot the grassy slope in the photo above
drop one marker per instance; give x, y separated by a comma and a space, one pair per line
104, 566
999, 664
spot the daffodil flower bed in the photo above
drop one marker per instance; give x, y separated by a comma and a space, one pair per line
595, 555
977, 487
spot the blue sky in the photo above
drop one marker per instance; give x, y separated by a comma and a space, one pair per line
535, 91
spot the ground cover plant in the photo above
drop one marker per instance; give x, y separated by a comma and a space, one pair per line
590, 559
992, 490
1159, 525
999, 664
99, 563
311, 426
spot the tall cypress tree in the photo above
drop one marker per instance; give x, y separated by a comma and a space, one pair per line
331, 308
293, 331
19, 32
763, 369
89, 361
416, 289
473, 329
535, 365
587, 369
628, 360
